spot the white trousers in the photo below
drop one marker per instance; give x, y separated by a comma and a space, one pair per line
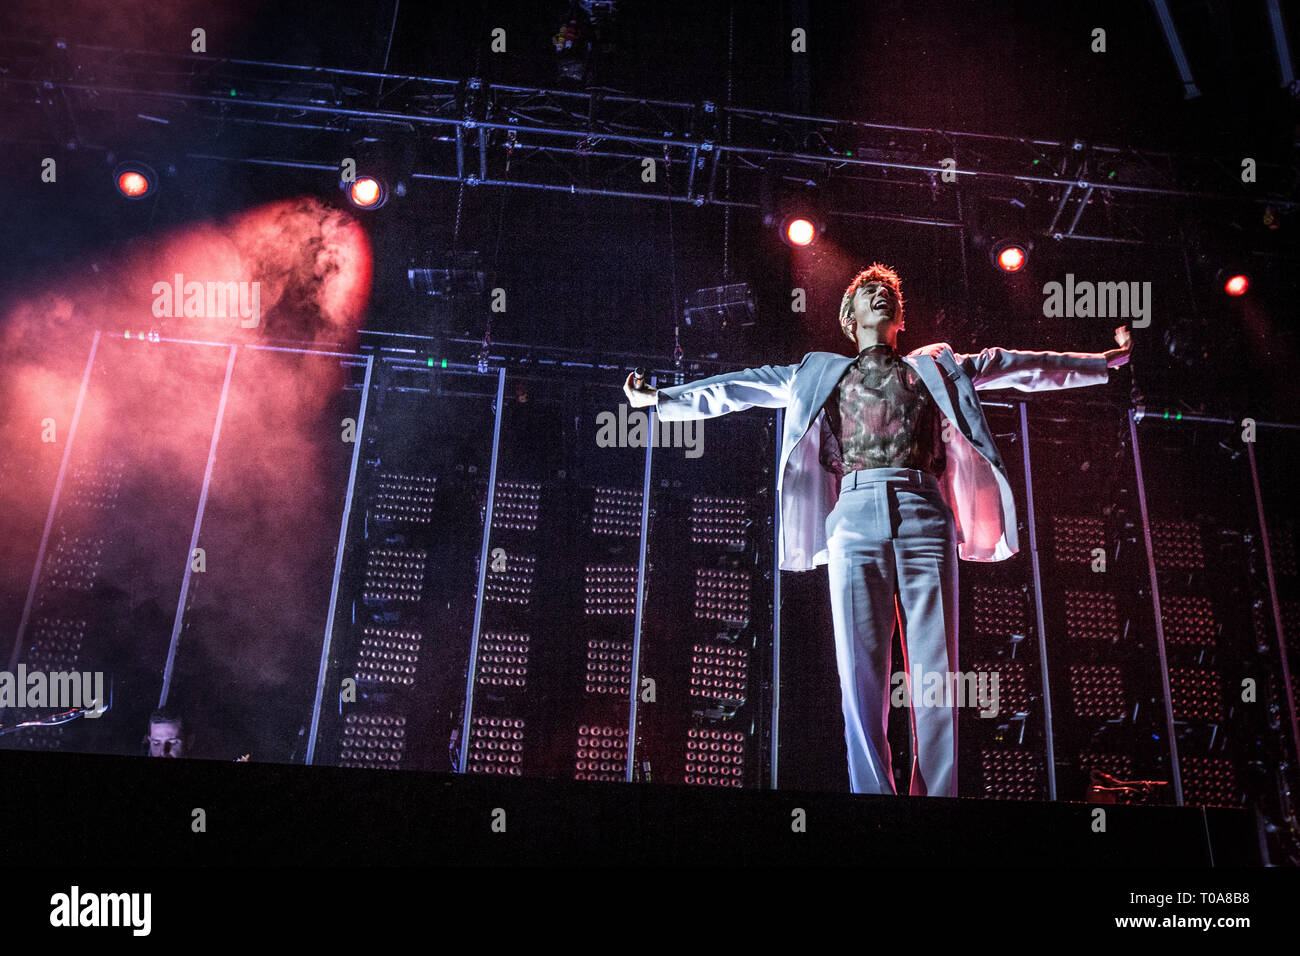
893, 556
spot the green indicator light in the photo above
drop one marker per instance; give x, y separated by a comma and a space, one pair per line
1111, 176
444, 363
429, 362
1037, 161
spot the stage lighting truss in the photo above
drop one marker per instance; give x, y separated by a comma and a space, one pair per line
471, 128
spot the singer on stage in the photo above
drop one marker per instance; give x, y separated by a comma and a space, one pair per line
888, 474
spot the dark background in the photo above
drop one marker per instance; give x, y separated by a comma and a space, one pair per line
615, 271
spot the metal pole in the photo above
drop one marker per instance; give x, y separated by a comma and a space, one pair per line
467, 716
653, 422
327, 643
1272, 594
776, 609
194, 533
1155, 602
1038, 607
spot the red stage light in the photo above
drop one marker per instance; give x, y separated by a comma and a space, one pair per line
1011, 259
800, 232
134, 181
1236, 285
132, 184
366, 192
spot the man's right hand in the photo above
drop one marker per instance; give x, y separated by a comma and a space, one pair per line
639, 397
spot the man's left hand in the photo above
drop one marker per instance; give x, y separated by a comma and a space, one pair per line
1117, 357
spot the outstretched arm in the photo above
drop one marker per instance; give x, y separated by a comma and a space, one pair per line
1041, 371
767, 386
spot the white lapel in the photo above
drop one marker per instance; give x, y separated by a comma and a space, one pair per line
928, 368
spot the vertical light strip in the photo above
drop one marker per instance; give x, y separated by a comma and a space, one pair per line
194, 534
467, 716
1176, 48
652, 417
1037, 570
776, 607
327, 642
54, 504
1272, 594
1284, 67
1175, 771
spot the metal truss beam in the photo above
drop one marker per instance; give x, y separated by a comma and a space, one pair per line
595, 142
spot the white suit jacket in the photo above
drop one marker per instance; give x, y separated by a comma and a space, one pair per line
974, 483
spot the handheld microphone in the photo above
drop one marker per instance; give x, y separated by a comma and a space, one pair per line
638, 377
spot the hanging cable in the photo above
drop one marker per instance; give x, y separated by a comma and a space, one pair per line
485, 348
672, 262
379, 97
